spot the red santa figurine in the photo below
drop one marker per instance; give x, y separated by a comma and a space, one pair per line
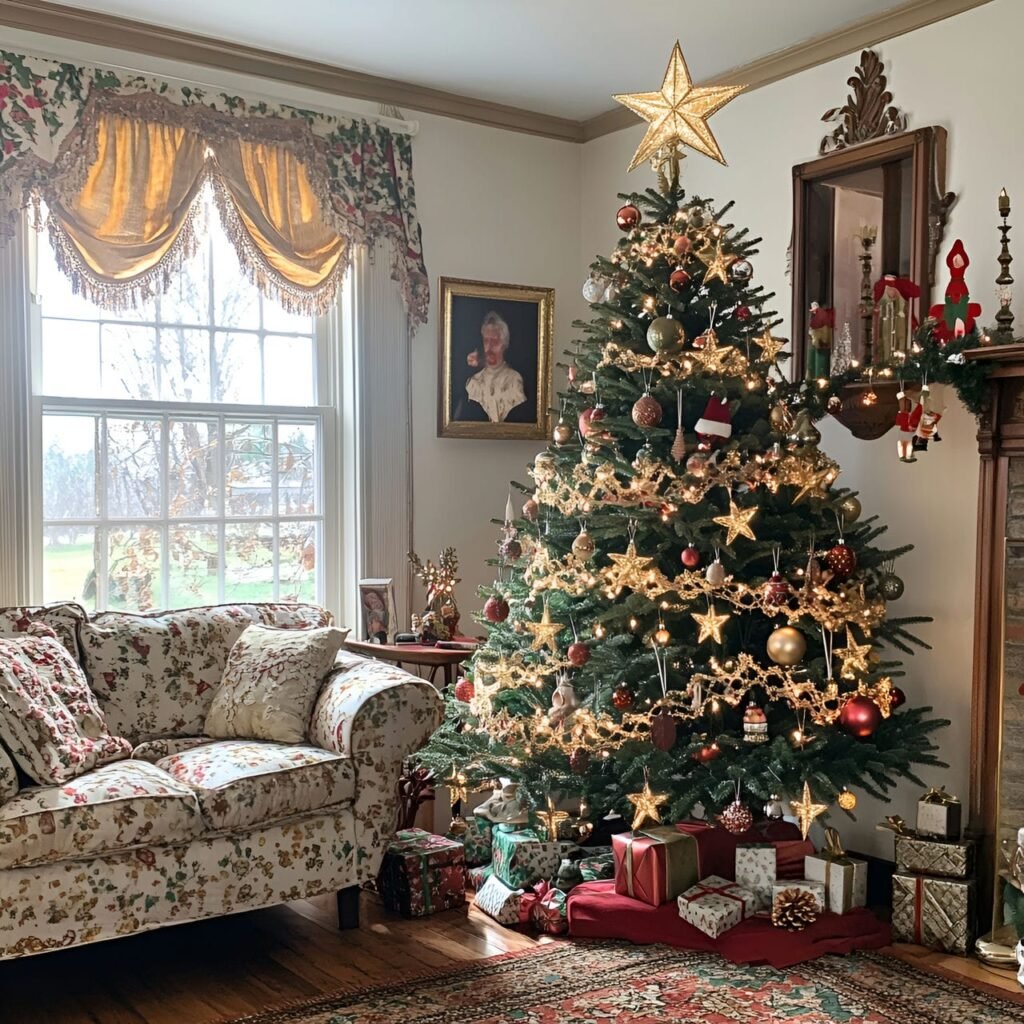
928, 424
956, 314
715, 426
908, 416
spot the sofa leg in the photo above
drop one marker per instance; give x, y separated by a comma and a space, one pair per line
348, 907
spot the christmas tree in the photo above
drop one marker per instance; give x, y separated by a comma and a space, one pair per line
690, 612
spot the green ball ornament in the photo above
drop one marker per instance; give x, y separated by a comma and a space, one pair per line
664, 334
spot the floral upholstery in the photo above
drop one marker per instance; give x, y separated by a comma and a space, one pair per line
74, 902
154, 750
241, 783
377, 714
125, 804
270, 682
8, 777
293, 616
64, 619
49, 718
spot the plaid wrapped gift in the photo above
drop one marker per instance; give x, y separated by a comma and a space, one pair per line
804, 885
935, 857
597, 866
478, 874
502, 903
933, 912
845, 878
654, 865
476, 840
547, 909
756, 871
521, 858
715, 905
422, 874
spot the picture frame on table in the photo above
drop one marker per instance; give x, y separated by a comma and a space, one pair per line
377, 618
495, 355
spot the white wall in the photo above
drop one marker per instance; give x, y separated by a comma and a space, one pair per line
931, 504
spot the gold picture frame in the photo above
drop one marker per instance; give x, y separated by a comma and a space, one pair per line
494, 345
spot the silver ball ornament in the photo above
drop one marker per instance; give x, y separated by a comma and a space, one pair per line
664, 334
773, 808
787, 646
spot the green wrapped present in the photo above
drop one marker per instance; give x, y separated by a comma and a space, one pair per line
522, 858
478, 874
422, 874
476, 840
596, 867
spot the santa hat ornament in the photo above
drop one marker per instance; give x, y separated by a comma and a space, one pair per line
715, 426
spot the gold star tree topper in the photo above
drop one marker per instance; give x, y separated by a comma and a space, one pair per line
678, 112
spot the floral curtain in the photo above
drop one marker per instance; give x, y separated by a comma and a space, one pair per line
120, 163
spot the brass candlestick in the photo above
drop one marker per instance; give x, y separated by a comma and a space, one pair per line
867, 236
1004, 318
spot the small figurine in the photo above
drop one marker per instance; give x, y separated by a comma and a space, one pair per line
563, 701
892, 320
928, 424
820, 324
956, 314
907, 418
503, 806
440, 581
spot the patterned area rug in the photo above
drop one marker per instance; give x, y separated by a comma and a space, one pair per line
600, 982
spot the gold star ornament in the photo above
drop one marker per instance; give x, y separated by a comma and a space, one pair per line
646, 804
737, 522
710, 625
544, 632
806, 810
718, 263
678, 112
770, 347
855, 657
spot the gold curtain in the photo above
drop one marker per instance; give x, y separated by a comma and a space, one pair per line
120, 236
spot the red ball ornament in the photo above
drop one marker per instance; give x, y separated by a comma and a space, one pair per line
743, 313
496, 609
897, 698
841, 559
623, 697
579, 760
681, 245
690, 556
776, 590
647, 411
707, 753
589, 417
464, 690
678, 280
663, 730
578, 654
860, 717
628, 217
736, 818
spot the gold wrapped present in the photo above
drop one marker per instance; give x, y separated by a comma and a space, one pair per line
934, 857
933, 912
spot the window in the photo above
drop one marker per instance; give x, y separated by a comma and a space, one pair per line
183, 442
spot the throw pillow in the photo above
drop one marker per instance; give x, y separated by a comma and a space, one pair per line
49, 719
271, 682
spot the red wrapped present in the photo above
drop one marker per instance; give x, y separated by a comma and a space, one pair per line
654, 865
547, 909
716, 848
422, 874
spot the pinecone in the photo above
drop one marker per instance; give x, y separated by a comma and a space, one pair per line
794, 910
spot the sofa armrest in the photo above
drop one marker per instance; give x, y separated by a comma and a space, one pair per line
8, 777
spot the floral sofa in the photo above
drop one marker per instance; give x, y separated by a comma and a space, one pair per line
190, 827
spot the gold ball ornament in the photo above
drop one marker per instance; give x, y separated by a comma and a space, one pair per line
781, 418
562, 434
787, 646
531, 510
664, 334
583, 546
847, 800
850, 508
647, 411
662, 636
803, 433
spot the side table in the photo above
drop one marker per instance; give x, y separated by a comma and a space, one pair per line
420, 655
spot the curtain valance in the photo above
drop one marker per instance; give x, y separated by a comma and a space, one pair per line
121, 162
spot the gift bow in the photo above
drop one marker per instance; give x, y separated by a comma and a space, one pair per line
894, 823
938, 795
834, 847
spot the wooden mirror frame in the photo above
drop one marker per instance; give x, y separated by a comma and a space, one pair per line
927, 149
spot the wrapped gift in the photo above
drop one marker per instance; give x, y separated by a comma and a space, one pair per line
716, 848
422, 874
547, 909
476, 840
502, 902
933, 912
521, 858
755, 870
715, 904
845, 878
654, 865
938, 814
804, 885
595, 867
478, 874
935, 857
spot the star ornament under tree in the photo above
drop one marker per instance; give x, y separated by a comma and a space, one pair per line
678, 112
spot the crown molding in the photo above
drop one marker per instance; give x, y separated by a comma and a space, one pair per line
86, 26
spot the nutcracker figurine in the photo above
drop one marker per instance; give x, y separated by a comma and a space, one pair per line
820, 324
892, 319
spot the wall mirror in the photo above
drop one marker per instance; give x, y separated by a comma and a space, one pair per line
868, 219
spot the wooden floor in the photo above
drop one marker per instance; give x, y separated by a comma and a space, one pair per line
218, 969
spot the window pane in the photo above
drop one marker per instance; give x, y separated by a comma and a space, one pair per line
192, 484
277, 318
53, 288
184, 365
194, 557
133, 467
69, 467
71, 358
296, 468
248, 562
128, 359
238, 375
288, 371
133, 568
297, 561
187, 301
69, 564
248, 465
236, 302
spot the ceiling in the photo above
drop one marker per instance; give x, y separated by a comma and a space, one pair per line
557, 57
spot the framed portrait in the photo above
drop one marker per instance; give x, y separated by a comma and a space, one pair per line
495, 354
377, 611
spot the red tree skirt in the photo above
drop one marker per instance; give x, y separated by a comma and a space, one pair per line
596, 911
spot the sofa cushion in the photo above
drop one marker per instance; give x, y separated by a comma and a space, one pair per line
64, 619
246, 782
271, 682
121, 805
154, 750
155, 675
49, 719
